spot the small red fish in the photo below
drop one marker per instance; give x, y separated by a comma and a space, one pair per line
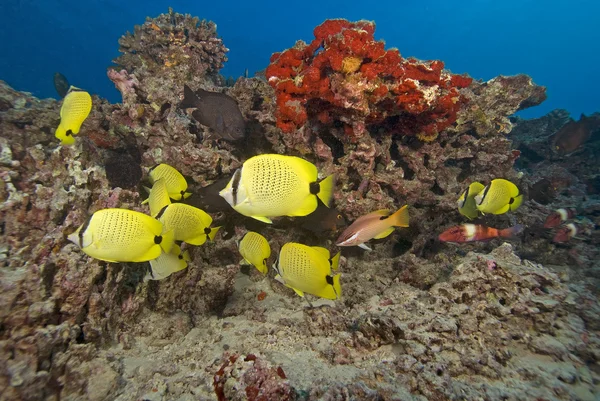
565, 233
477, 232
559, 216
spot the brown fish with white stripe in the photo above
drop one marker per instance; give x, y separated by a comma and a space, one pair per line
377, 224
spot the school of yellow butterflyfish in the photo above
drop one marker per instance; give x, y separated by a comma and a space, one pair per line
266, 186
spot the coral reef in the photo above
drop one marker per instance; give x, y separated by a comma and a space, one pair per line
164, 53
418, 319
344, 76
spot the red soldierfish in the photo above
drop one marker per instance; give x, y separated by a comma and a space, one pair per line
565, 233
477, 232
377, 224
559, 216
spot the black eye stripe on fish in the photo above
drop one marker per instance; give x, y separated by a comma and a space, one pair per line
159, 215
462, 204
84, 227
485, 192
237, 176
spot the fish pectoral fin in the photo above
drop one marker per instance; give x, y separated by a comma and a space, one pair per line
220, 124
384, 233
297, 291
244, 262
363, 246
263, 219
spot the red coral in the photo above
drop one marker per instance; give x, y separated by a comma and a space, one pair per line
345, 76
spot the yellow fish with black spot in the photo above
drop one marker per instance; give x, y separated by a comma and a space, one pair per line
121, 235
466, 202
75, 109
307, 269
174, 180
272, 185
499, 197
255, 250
158, 197
168, 263
189, 224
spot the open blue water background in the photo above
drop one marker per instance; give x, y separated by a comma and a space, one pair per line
554, 41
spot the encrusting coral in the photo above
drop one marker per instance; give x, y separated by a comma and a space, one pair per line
344, 76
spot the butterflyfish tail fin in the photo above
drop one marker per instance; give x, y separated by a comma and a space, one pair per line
326, 188
337, 287
335, 261
512, 231
516, 202
213, 233
400, 218
168, 239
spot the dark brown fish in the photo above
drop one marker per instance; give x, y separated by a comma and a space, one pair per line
322, 220
61, 84
208, 198
574, 134
217, 111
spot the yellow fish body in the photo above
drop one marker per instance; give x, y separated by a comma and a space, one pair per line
255, 250
378, 224
73, 112
189, 224
272, 185
121, 235
308, 270
168, 263
158, 197
174, 180
466, 202
499, 197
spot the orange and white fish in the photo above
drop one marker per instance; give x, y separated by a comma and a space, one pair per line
559, 216
377, 224
477, 232
565, 233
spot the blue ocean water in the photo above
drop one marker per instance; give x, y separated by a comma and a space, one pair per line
554, 41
